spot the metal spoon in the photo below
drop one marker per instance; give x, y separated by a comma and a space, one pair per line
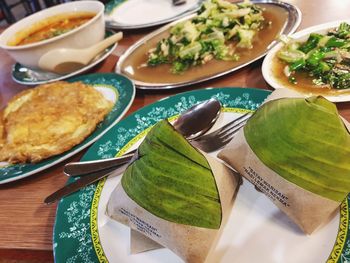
179, 2
192, 123
209, 108
67, 60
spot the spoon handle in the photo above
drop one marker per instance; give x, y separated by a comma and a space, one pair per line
83, 168
191, 123
99, 47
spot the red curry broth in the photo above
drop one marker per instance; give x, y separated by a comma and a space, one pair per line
51, 27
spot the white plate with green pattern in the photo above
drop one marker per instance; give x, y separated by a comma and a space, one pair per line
114, 87
133, 14
257, 231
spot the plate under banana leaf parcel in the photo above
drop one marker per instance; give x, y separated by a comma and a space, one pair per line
83, 232
221, 38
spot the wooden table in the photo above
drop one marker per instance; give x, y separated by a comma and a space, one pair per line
26, 224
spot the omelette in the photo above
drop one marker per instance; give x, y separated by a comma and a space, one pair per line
48, 120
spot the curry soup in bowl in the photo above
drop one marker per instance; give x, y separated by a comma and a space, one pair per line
75, 25
50, 27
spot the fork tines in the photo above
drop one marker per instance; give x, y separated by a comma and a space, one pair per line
235, 124
222, 136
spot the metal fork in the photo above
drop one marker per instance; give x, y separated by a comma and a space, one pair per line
219, 138
207, 143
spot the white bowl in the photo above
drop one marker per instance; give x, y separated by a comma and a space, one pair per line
301, 36
83, 36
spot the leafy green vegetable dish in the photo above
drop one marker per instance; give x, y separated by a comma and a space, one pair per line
219, 28
324, 58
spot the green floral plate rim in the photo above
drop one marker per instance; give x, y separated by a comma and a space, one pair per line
76, 237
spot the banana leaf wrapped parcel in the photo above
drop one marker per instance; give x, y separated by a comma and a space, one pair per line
174, 195
297, 152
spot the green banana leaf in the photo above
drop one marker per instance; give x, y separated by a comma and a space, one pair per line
173, 180
305, 142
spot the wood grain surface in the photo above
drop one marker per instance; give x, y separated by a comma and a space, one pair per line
26, 224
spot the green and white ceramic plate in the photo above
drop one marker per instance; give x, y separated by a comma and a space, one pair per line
257, 231
27, 76
133, 14
114, 87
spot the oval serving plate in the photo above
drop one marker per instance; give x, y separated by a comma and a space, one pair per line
268, 69
114, 87
285, 19
256, 230
135, 14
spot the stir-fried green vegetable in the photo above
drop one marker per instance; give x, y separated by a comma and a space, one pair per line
219, 28
325, 58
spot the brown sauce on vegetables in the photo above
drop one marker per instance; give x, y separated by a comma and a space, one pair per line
304, 82
132, 65
50, 27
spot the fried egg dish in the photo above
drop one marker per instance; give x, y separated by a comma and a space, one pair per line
48, 120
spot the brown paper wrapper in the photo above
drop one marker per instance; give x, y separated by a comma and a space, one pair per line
140, 243
190, 243
305, 208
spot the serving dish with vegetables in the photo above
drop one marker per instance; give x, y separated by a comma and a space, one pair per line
313, 61
221, 38
219, 29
